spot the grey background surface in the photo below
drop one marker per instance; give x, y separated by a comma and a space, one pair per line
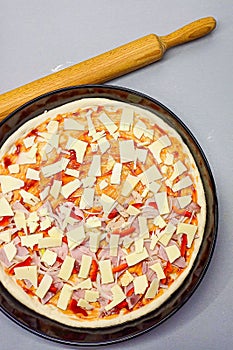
194, 80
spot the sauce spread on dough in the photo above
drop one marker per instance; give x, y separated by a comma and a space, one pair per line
98, 211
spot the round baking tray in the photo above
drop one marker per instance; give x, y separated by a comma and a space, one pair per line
55, 331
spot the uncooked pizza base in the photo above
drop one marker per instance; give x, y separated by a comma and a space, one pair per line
53, 312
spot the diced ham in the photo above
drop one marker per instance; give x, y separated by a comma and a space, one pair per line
16, 240
180, 262
127, 288
61, 251
162, 253
193, 207
115, 224
19, 207
149, 212
78, 252
47, 297
3, 258
151, 253
104, 290
57, 283
133, 300
22, 251
28, 283
78, 294
151, 275
144, 267
35, 259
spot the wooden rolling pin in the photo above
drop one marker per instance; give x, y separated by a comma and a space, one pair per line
108, 65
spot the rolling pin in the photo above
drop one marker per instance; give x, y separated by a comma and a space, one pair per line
107, 66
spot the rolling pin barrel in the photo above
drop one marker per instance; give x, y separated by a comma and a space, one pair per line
106, 66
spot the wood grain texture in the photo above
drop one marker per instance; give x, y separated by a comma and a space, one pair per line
190, 32
106, 66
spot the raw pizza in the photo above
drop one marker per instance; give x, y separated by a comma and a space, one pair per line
102, 213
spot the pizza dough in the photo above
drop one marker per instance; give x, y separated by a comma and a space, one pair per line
102, 213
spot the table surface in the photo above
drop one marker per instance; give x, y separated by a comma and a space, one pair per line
193, 80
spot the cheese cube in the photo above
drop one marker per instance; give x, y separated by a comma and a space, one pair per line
5, 208
44, 286
72, 172
126, 119
118, 297
66, 268
139, 244
141, 155
131, 210
13, 168
10, 251
77, 235
52, 127
143, 227
88, 181
157, 146
70, 188
181, 184
5, 236
179, 169
103, 184
153, 289
140, 284
134, 258
108, 123
27, 273
173, 253
114, 244
94, 241
85, 266
49, 257
10, 183
169, 159
72, 124
139, 129
184, 201
50, 242
157, 268
107, 203
159, 221
189, 229
116, 174
103, 144
32, 174
106, 271
55, 168
126, 278
80, 149
167, 234
95, 167
129, 184
86, 284
84, 304
162, 202
55, 189
55, 232
127, 151
154, 241
87, 198
29, 198
29, 141
91, 295
31, 240
28, 157
64, 297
